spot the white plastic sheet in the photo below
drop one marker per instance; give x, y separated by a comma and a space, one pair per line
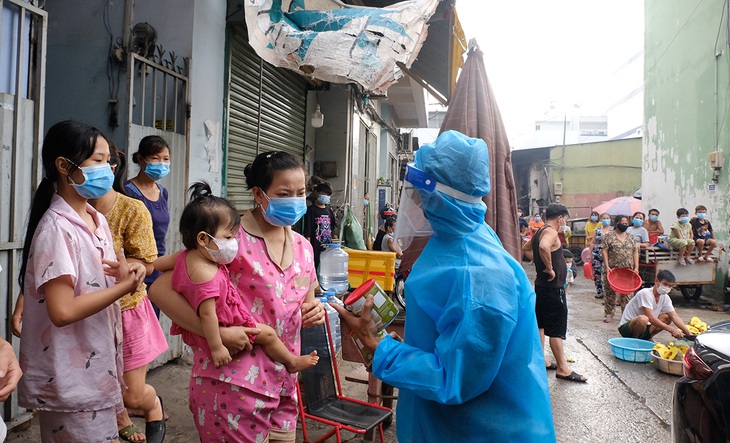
330, 41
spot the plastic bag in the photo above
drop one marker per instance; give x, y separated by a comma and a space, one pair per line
351, 233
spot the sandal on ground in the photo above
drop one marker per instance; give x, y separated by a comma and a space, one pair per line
574, 376
689, 261
140, 413
700, 258
551, 367
598, 296
127, 432
155, 430
607, 319
682, 262
709, 259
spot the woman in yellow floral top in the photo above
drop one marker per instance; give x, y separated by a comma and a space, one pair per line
131, 226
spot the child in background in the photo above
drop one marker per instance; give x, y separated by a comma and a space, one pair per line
702, 232
71, 341
680, 237
208, 226
653, 225
319, 222
570, 275
637, 230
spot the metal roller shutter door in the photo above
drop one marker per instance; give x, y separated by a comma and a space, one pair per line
266, 112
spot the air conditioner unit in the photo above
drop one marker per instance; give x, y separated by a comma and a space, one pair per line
558, 188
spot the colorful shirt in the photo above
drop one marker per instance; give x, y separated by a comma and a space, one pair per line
319, 224
273, 294
76, 367
160, 219
620, 253
228, 305
131, 226
697, 224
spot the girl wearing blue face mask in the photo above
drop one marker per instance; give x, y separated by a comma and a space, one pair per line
637, 229
70, 347
153, 158
273, 271
319, 222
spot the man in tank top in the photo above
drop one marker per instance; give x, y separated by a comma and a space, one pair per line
551, 307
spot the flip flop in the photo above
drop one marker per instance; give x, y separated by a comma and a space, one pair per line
574, 376
155, 430
689, 261
127, 432
700, 258
709, 259
551, 367
682, 262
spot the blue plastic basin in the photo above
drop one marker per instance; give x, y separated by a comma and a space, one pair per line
631, 349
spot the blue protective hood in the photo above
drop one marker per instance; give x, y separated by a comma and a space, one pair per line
462, 163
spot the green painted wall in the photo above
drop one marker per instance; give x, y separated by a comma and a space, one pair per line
597, 168
685, 107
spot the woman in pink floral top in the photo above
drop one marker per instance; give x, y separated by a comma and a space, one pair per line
70, 348
275, 275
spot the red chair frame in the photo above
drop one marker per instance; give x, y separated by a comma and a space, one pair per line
337, 427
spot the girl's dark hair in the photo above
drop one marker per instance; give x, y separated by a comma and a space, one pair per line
617, 219
324, 188
119, 161
74, 141
389, 223
205, 212
150, 145
265, 166
638, 213
594, 213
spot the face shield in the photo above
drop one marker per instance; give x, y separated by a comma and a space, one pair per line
412, 221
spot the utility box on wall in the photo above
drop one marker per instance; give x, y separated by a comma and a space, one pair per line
326, 169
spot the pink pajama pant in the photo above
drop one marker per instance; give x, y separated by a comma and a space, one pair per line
227, 413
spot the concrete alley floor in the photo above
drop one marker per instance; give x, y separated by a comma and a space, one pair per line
622, 401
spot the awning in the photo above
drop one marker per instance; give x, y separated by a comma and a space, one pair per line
441, 56
340, 44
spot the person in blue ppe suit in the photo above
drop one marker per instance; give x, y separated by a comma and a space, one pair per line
470, 367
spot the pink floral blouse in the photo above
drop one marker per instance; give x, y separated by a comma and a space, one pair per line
76, 367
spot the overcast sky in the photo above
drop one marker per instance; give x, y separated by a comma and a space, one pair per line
562, 51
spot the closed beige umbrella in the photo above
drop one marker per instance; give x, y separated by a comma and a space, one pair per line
474, 112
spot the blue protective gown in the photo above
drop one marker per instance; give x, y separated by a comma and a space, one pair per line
471, 368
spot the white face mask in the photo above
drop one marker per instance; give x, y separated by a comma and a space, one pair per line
226, 252
663, 290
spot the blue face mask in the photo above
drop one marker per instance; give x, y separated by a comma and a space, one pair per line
683, 219
653, 218
537, 219
285, 211
605, 222
98, 180
637, 222
157, 170
594, 218
324, 199
701, 215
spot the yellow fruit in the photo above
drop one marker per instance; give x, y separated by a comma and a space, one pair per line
672, 353
679, 356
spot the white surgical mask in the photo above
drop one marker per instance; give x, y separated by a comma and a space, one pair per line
226, 252
663, 290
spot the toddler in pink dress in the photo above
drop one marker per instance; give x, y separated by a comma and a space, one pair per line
209, 225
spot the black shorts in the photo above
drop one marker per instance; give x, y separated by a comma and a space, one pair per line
551, 310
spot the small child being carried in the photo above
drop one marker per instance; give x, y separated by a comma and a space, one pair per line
208, 226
